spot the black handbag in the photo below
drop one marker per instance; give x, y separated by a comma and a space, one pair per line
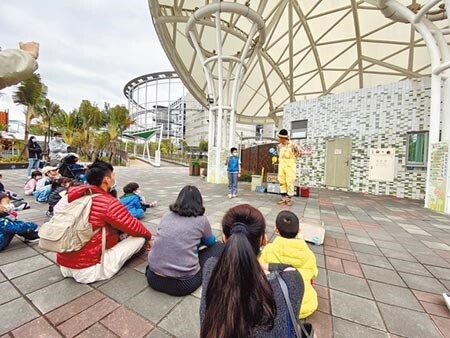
302, 330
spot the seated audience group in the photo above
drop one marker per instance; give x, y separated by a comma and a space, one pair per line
241, 296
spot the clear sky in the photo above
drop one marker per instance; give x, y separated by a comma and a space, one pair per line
89, 48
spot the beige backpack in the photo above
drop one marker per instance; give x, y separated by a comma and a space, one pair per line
68, 230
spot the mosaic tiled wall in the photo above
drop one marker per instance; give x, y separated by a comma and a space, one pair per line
377, 117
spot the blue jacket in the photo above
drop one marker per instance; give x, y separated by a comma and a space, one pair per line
10, 227
233, 164
133, 203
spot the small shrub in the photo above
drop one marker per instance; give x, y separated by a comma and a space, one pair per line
246, 175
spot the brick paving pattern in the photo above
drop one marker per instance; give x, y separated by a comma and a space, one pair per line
382, 268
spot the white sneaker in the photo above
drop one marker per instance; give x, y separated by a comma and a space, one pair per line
230, 196
234, 196
447, 299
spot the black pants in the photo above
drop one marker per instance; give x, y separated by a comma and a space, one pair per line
182, 287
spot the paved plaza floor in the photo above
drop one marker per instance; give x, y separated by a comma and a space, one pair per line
382, 269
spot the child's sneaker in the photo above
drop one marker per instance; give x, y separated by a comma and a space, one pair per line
31, 237
447, 299
234, 196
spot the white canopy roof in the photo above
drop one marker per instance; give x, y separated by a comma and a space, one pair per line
312, 48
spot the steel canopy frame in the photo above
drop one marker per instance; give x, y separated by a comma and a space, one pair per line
312, 48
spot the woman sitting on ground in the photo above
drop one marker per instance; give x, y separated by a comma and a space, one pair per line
175, 261
238, 299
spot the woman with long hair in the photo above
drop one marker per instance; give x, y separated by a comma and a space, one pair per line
34, 155
238, 299
183, 242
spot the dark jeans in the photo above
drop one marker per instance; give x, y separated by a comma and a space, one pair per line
233, 183
9, 236
182, 287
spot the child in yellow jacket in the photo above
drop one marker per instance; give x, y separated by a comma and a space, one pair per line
288, 249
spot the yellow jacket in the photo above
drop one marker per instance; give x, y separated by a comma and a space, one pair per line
295, 252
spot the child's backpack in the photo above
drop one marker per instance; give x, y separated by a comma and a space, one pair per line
68, 230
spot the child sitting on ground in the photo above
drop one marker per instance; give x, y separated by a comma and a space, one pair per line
10, 225
44, 185
132, 200
18, 202
59, 186
30, 186
290, 250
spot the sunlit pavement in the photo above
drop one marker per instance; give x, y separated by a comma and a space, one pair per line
382, 269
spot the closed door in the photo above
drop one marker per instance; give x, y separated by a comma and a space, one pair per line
337, 172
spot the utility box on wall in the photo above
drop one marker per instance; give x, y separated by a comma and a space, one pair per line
382, 164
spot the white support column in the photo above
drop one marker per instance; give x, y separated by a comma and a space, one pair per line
222, 127
439, 55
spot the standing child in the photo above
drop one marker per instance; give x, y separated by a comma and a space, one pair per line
288, 249
132, 200
10, 225
30, 186
233, 164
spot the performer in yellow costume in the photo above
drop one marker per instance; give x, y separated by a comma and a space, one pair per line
288, 152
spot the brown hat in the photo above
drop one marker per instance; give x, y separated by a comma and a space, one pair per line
283, 133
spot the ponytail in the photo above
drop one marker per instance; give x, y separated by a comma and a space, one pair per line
238, 297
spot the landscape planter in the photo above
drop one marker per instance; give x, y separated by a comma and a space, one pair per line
196, 170
13, 165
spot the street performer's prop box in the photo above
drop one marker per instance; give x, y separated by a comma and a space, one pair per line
272, 178
312, 230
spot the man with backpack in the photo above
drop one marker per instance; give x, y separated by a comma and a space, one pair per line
102, 256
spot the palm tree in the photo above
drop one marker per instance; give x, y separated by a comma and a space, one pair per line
118, 121
91, 117
30, 93
48, 110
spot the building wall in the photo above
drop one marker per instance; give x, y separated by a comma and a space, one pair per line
377, 117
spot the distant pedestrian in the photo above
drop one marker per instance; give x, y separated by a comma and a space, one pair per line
34, 155
57, 149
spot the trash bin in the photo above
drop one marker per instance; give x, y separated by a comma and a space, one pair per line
304, 191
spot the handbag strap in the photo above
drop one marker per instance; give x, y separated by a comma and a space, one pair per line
293, 317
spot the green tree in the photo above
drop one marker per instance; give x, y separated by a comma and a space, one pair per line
91, 117
118, 120
48, 111
167, 146
30, 93
203, 146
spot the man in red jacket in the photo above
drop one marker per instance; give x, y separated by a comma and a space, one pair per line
86, 265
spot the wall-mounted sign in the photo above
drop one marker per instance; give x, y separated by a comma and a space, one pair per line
438, 176
382, 164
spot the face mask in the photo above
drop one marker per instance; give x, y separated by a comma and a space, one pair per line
58, 138
138, 192
113, 187
33, 140
9, 207
234, 154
